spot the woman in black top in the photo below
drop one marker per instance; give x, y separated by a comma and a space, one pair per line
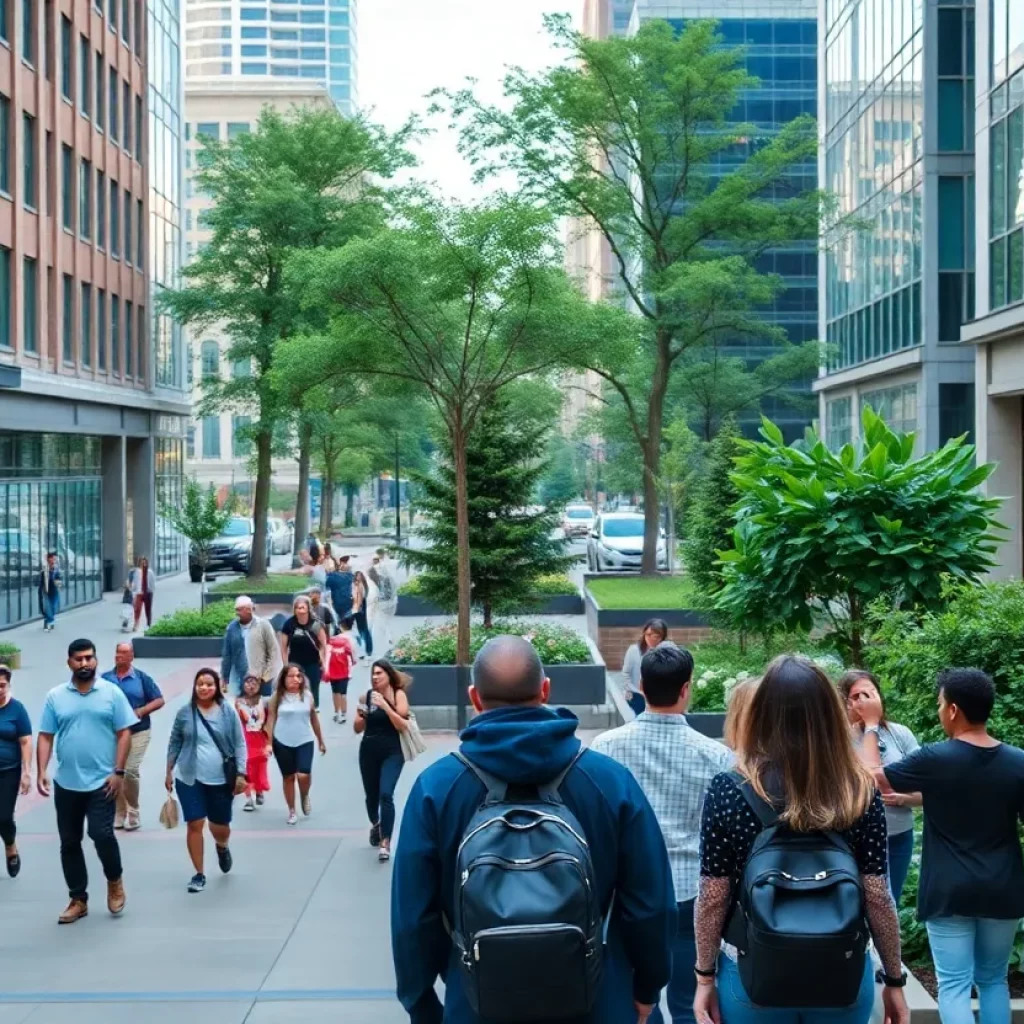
360, 600
15, 758
796, 753
304, 643
381, 720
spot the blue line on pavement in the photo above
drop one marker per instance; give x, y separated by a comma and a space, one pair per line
208, 996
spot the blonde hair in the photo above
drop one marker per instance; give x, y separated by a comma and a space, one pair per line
736, 710
795, 731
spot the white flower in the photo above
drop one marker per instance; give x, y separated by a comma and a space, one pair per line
701, 683
743, 674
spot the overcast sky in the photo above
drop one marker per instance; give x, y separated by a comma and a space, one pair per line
408, 47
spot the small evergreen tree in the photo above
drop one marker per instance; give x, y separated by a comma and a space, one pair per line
199, 519
709, 517
510, 545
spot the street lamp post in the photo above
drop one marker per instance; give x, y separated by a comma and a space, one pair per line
398, 501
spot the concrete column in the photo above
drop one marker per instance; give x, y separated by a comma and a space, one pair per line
115, 540
141, 476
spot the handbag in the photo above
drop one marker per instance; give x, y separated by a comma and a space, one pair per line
230, 765
169, 813
412, 738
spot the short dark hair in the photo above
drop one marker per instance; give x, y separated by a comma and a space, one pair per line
971, 690
80, 646
665, 671
5, 670
508, 670
348, 621
51, 554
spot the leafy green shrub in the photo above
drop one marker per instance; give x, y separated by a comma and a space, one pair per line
273, 583
554, 585
8, 649
435, 645
189, 622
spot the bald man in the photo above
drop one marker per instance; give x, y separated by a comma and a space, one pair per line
520, 740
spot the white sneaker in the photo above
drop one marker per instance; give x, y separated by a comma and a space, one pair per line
292, 819
249, 805
342, 719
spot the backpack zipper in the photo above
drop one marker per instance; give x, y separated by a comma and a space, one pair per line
819, 876
540, 818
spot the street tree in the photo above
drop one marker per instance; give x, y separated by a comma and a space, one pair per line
300, 180
630, 137
199, 519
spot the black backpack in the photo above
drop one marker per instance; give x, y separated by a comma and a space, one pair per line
798, 920
527, 925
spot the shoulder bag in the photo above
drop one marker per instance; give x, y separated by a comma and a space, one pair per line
230, 764
411, 738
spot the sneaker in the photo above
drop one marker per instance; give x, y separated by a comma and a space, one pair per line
75, 911
198, 883
119, 823
375, 834
342, 719
249, 805
383, 854
13, 865
259, 799
292, 819
132, 823
336, 718
224, 859
115, 897
307, 806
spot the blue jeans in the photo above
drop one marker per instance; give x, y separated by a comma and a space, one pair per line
901, 849
51, 605
737, 1008
970, 950
683, 986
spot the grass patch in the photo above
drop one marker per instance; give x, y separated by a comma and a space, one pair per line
555, 585
192, 622
272, 583
652, 592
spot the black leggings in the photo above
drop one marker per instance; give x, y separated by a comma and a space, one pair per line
365, 634
380, 765
10, 781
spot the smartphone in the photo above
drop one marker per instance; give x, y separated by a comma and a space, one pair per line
361, 710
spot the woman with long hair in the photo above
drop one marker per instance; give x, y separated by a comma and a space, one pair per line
795, 758
143, 583
655, 631
382, 719
292, 726
15, 766
206, 734
736, 708
360, 603
880, 742
304, 643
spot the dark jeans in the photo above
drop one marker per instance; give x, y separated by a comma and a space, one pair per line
74, 809
10, 780
313, 674
901, 850
380, 764
365, 633
683, 986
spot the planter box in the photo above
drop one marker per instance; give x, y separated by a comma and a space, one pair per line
560, 604
616, 630
438, 685
709, 723
177, 646
12, 661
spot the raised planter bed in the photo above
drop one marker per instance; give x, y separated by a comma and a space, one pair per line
214, 597
177, 646
559, 604
12, 659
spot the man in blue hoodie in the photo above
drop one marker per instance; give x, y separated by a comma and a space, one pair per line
522, 742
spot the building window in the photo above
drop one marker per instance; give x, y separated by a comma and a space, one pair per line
236, 128
115, 221
1006, 183
101, 210
67, 186
5, 297
138, 128
139, 236
5, 144
84, 76
4, 29
65, 56
86, 324
51, 173
241, 441
28, 31
956, 412
85, 199
48, 39
142, 335
101, 93
211, 437
190, 442
129, 347
30, 298
115, 334
28, 124
139, 17
125, 22
126, 113
68, 324
838, 423
896, 405
128, 227
112, 102
101, 329
112, 15
210, 357
210, 129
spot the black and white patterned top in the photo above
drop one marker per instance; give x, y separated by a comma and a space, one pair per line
729, 827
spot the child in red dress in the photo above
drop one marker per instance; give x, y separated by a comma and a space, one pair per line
341, 656
252, 709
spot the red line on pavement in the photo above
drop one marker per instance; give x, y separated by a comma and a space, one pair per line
237, 835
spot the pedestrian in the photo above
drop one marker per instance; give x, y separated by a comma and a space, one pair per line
304, 643
800, 792
145, 697
206, 767
382, 612
322, 611
360, 602
252, 710
880, 742
674, 765
339, 583
328, 561
517, 739
250, 648
293, 725
91, 721
655, 631
15, 766
50, 583
143, 585
341, 658
971, 893
737, 704
126, 609
381, 719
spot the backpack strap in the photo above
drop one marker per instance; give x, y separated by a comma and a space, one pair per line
496, 788
766, 814
550, 790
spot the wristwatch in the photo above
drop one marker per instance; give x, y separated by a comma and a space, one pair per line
119, 772
871, 728
890, 982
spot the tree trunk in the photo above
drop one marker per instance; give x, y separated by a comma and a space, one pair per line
260, 505
350, 500
488, 615
302, 499
652, 454
327, 502
856, 631
462, 545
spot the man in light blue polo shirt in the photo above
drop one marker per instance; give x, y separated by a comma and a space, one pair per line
91, 720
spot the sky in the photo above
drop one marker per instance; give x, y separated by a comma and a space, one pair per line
409, 47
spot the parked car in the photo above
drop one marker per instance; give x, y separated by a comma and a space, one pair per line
577, 520
616, 543
282, 537
230, 552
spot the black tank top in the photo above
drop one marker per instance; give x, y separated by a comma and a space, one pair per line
379, 727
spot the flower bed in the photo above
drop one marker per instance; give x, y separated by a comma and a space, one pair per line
10, 655
554, 595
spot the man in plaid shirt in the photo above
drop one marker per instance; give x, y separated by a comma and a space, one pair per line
674, 765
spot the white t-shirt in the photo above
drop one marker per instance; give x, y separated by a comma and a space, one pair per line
293, 727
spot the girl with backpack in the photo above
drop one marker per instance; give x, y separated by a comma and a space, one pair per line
793, 854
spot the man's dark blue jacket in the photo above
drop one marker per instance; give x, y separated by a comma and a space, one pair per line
527, 746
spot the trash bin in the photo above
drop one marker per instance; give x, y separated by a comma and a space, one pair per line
108, 574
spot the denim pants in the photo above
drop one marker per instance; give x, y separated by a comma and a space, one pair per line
737, 1008
683, 986
74, 809
51, 605
380, 764
972, 950
900, 850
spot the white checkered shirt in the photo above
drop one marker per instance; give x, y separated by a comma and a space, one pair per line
674, 765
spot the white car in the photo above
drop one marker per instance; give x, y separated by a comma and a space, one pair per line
616, 543
281, 536
577, 520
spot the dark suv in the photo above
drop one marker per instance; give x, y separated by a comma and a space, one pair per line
230, 552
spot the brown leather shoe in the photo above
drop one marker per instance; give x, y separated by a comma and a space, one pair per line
115, 897
76, 910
